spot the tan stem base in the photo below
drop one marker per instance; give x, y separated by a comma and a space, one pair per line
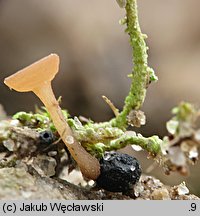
88, 164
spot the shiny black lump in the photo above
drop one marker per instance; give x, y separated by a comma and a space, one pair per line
119, 172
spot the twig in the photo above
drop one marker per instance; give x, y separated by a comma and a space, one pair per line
111, 105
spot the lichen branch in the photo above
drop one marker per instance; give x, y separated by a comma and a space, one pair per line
141, 74
151, 144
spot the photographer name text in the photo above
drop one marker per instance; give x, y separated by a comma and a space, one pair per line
53, 207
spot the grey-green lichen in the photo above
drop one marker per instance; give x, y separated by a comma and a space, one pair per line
100, 137
151, 144
96, 138
141, 74
182, 146
40, 120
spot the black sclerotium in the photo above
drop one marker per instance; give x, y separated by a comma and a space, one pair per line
119, 172
46, 137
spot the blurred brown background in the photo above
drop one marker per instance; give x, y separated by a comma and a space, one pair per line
96, 57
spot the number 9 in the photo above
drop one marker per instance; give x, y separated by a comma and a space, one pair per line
193, 206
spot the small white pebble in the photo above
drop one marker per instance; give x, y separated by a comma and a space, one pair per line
69, 139
9, 144
107, 157
176, 156
26, 194
136, 147
14, 122
131, 133
193, 153
52, 153
91, 183
182, 189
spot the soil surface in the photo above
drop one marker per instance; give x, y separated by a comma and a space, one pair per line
31, 168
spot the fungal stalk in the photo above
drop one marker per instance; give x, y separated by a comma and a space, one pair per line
37, 78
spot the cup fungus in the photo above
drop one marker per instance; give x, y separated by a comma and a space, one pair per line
37, 78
